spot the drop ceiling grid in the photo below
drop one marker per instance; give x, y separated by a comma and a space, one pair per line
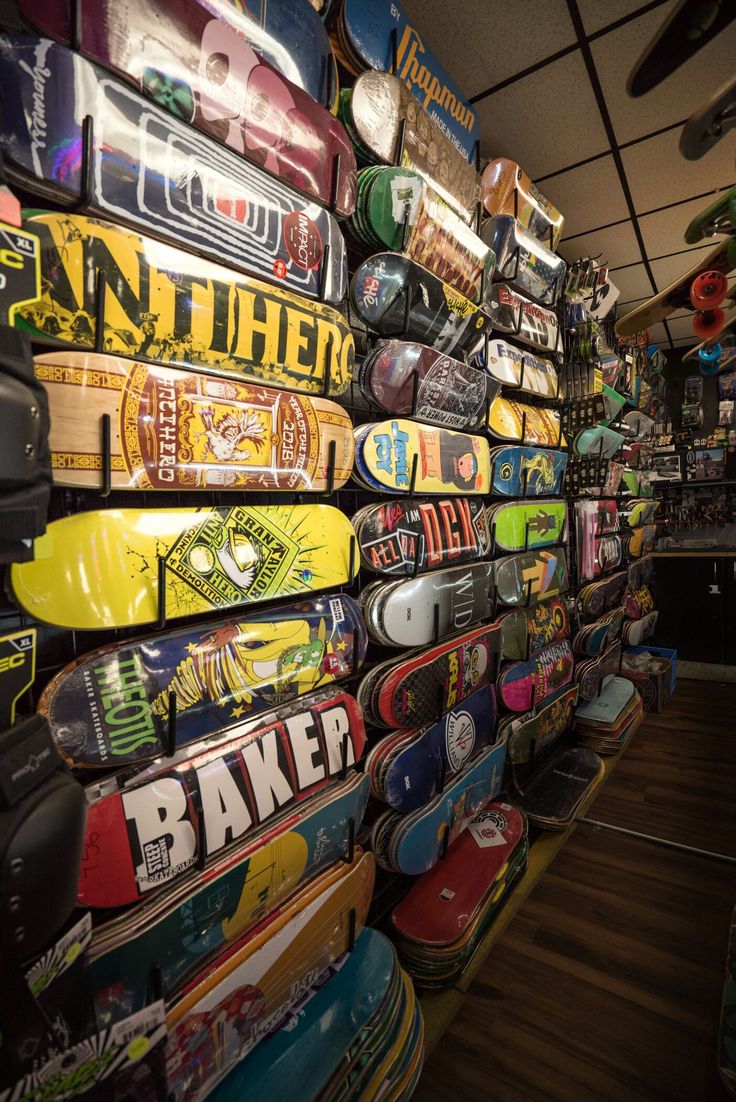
611, 163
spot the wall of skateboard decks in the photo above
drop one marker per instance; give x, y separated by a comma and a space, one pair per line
323, 621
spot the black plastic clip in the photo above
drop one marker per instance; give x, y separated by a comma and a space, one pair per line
331, 457
156, 982
170, 748
445, 842
100, 299
106, 455
161, 568
522, 438
527, 602
406, 227
350, 846
414, 393
352, 925
414, 472
399, 158
335, 185
436, 623
324, 269
344, 756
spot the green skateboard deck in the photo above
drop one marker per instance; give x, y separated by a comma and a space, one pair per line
524, 526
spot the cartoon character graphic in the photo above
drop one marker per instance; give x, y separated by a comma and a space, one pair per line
228, 434
475, 663
541, 468
450, 457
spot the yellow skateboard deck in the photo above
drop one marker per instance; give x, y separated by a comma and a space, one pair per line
101, 569
183, 430
390, 453
506, 420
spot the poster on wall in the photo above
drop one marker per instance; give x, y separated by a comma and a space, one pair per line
706, 464
666, 468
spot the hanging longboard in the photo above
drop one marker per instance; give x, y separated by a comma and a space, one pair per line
140, 165
179, 430
112, 290
120, 567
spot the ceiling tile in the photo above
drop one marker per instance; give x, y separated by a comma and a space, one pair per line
616, 246
478, 48
681, 327
588, 196
658, 174
597, 14
625, 307
663, 231
682, 343
633, 282
658, 334
672, 267
546, 120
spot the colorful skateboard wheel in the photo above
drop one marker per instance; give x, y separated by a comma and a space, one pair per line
708, 290
710, 355
708, 322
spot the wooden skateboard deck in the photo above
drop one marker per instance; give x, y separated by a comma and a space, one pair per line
398, 210
595, 597
390, 455
289, 36
641, 541
250, 988
518, 368
589, 675
397, 298
474, 863
407, 768
527, 735
527, 526
523, 260
163, 304
612, 741
522, 685
373, 112
414, 535
508, 190
111, 707
524, 424
424, 685
148, 169
411, 380
365, 32
412, 843
532, 576
526, 631
527, 472
179, 430
422, 610
241, 99
720, 259
154, 826
553, 798
688, 27
718, 217
100, 569
709, 122
227, 900
511, 312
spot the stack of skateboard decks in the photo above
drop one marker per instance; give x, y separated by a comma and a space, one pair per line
607, 723
556, 793
442, 920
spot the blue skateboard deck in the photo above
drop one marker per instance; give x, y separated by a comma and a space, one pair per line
527, 472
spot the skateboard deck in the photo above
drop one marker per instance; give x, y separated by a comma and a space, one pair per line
413, 843
594, 638
101, 569
183, 929
518, 368
251, 987
641, 512
641, 572
589, 674
688, 27
598, 441
638, 601
400, 455
709, 122
111, 707
396, 297
411, 380
526, 631
414, 535
240, 99
508, 190
595, 597
641, 541
379, 110
422, 610
20, 270
424, 685
153, 826
511, 312
527, 526
718, 217
532, 576
718, 349
522, 685
179, 430
524, 424
289, 36
474, 863
398, 210
144, 167
720, 259
321, 1030
529, 734
527, 472
163, 304
366, 34
553, 798
638, 631
408, 768
523, 261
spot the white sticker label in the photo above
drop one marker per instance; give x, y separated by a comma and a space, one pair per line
488, 828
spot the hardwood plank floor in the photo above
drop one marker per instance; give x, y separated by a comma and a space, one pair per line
607, 983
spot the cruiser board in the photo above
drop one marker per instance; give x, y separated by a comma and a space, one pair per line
180, 430
113, 705
140, 165
160, 303
102, 569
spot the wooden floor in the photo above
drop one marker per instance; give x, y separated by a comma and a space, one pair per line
606, 985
